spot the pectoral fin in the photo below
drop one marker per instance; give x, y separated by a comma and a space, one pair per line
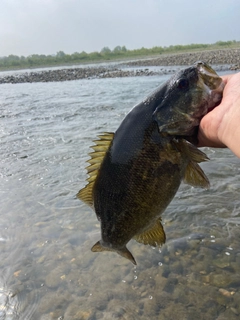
191, 151
155, 236
195, 176
124, 252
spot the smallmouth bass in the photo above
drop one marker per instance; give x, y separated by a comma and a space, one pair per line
135, 172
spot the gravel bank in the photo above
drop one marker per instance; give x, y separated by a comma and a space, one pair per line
73, 74
227, 56
226, 59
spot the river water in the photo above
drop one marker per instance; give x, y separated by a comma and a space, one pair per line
47, 270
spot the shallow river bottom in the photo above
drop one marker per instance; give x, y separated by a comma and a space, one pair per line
47, 270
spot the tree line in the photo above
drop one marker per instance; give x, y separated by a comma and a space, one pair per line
60, 58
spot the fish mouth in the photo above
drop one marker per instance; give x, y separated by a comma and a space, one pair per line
208, 75
213, 82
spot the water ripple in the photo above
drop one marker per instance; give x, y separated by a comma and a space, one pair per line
47, 268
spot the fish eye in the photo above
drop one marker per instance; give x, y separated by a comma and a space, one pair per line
183, 84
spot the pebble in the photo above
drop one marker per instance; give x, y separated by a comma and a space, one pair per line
226, 292
74, 312
53, 302
170, 285
234, 310
220, 280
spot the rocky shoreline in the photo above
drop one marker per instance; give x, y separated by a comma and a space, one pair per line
227, 59
72, 74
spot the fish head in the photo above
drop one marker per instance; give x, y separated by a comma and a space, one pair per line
189, 95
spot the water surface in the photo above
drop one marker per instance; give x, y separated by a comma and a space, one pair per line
47, 270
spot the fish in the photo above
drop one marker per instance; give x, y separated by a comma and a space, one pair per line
134, 173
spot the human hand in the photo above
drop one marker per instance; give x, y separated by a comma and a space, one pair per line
221, 127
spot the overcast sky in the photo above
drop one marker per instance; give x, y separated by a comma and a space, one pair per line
47, 26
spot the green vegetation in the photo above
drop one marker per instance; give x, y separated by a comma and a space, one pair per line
41, 60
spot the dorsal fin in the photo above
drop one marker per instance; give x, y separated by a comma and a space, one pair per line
100, 148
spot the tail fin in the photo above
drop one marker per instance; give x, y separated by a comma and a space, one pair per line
124, 252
